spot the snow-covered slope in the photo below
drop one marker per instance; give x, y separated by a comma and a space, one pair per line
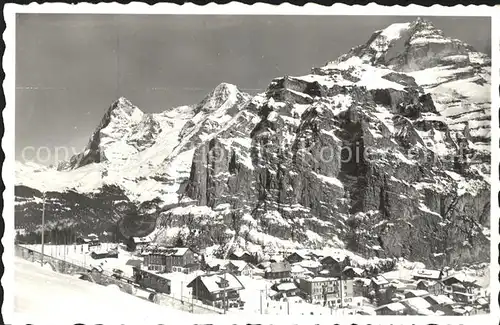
41, 293
271, 171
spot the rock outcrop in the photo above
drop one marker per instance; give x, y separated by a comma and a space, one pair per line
384, 152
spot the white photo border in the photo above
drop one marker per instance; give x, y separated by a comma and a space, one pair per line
8, 142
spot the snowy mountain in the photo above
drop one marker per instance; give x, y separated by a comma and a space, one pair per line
384, 151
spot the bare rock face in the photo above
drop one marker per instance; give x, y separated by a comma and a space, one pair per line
384, 152
375, 166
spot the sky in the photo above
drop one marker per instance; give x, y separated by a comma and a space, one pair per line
71, 67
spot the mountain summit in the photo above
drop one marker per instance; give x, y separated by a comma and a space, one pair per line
414, 46
384, 152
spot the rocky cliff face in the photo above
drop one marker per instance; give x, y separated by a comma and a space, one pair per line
359, 152
384, 152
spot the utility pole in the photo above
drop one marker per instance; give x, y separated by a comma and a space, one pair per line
341, 295
261, 302
224, 300
43, 228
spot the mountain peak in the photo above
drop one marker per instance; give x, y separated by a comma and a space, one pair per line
223, 95
409, 46
122, 108
224, 86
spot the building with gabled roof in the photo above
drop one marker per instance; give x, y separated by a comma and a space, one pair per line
241, 255
379, 282
278, 270
395, 308
170, 259
424, 274
216, 289
239, 267
433, 287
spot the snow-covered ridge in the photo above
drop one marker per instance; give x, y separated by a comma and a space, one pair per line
264, 165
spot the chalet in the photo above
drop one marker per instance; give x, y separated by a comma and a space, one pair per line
94, 240
239, 268
423, 274
264, 265
278, 270
312, 266
91, 240
483, 304
444, 309
155, 260
187, 268
241, 256
296, 257
394, 308
320, 290
334, 265
298, 271
213, 266
104, 254
141, 242
361, 287
438, 300
417, 306
433, 287
284, 290
400, 286
216, 289
465, 292
350, 272
313, 256
173, 259
416, 293
378, 283
152, 281
461, 288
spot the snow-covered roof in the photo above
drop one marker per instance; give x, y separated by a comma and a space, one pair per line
460, 277
171, 251
395, 306
427, 282
379, 280
240, 253
214, 282
286, 286
240, 265
302, 254
356, 270
397, 284
279, 267
365, 281
180, 251
320, 279
481, 301
214, 263
297, 269
309, 264
417, 303
418, 293
441, 299
142, 240
265, 264
335, 258
427, 274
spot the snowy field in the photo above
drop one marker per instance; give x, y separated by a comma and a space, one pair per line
42, 294
80, 255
